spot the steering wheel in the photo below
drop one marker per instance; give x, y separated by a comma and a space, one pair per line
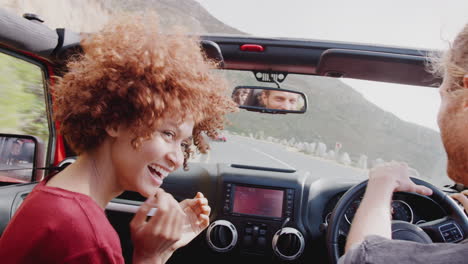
451, 228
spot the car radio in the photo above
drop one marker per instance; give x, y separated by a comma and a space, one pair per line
254, 221
258, 201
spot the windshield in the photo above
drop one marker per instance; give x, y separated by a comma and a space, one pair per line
349, 124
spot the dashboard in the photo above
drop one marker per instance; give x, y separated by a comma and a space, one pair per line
408, 207
258, 214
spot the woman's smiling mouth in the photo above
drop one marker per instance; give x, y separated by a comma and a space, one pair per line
158, 172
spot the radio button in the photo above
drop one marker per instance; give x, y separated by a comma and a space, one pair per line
261, 242
248, 241
255, 231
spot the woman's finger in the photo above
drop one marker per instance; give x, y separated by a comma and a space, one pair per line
203, 201
206, 209
164, 201
195, 204
140, 216
204, 221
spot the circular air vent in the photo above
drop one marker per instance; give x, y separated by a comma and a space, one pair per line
288, 243
221, 236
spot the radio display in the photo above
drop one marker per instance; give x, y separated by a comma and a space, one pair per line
257, 201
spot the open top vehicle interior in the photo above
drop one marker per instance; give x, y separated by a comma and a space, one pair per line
283, 182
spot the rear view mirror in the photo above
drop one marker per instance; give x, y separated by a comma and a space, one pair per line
269, 100
18, 158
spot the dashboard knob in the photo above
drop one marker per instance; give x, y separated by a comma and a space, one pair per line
221, 236
288, 243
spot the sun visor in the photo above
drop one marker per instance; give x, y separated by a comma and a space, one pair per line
213, 51
376, 66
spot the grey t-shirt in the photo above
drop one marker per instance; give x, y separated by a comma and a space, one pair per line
376, 249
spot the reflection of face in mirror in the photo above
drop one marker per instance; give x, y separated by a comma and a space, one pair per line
240, 95
16, 159
16, 151
280, 100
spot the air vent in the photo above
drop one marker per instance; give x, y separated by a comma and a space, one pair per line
221, 236
288, 243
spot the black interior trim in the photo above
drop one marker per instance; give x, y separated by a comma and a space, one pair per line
376, 66
249, 167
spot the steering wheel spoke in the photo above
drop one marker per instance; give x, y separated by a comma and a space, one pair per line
445, 230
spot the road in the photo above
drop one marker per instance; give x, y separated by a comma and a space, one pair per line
250, 151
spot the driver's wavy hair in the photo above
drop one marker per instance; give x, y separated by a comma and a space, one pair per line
453, 63
129, 73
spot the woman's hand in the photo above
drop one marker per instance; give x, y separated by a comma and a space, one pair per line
197, 218
462, 199
154, 239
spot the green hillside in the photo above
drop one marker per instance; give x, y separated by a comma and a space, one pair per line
21, 98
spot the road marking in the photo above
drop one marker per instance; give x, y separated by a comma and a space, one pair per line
273, 158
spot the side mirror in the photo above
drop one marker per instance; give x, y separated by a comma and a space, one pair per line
270, 100
19, 157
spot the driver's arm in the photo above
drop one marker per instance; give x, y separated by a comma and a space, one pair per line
373, 215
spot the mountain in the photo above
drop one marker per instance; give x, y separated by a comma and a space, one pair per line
338, 113
187, 13
91, 15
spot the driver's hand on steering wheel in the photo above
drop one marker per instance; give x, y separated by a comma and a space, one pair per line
397, 176
462, 199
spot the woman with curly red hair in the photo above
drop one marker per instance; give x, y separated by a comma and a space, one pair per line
130, 107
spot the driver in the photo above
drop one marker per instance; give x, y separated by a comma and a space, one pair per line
280, 100
369, 239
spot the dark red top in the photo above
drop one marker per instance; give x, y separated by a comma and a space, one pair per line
54, 225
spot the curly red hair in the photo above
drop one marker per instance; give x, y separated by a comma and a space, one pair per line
130, 73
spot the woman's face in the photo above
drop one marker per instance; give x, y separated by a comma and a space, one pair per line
144, 169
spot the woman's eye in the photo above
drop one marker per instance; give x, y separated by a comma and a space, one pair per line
168, 134
184, 145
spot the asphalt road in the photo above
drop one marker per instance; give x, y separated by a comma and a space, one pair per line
250, 151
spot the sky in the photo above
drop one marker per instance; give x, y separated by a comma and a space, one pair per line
428, 24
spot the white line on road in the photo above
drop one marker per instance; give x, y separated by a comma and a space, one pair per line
273, 158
